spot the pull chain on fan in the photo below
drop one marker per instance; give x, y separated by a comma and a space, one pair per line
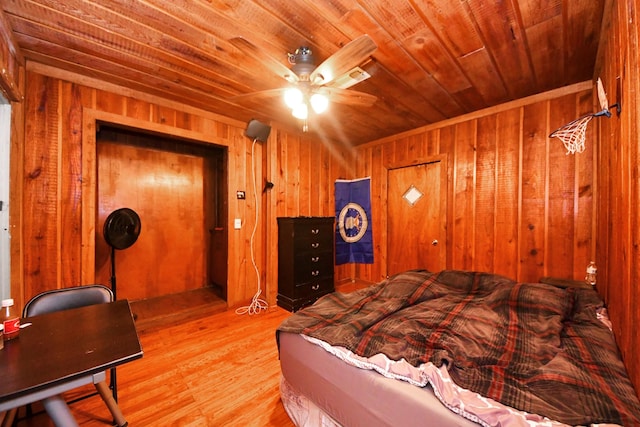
121, 230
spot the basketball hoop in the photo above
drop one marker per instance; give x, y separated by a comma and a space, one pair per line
573, 133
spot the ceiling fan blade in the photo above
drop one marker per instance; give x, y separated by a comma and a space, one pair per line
348, 96
256, 96
268, 61
349, 56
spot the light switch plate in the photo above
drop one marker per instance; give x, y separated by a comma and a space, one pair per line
237, 223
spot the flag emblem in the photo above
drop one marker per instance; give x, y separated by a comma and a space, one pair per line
352, 222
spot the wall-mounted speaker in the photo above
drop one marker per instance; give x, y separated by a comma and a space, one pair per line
257, 130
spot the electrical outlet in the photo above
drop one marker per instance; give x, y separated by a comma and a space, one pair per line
240, 195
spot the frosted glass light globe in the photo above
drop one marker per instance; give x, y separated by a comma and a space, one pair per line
319, 103
300, 112
293, 97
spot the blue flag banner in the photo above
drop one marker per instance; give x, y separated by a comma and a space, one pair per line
354, 238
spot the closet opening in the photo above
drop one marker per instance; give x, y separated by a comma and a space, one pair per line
178, 188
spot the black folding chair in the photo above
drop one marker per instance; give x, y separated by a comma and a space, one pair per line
74, 297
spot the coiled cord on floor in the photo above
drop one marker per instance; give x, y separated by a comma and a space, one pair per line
257, 304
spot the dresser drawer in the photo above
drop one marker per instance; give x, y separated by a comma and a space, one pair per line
308, 232
314, 288
314, 243
311, 266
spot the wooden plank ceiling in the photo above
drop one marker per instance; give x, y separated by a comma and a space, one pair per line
435, 59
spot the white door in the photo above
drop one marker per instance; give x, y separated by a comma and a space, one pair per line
5, 237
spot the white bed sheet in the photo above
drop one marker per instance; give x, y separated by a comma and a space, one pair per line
352, 397
331, 387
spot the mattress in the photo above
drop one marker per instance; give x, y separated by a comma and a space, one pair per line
352, 397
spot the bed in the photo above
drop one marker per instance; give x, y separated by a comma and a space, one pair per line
454, 348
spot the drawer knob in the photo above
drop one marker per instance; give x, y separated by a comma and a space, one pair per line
315, 231
315, 287
315, 245
315, 273
315, 259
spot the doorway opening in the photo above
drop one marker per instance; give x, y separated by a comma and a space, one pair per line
178, 187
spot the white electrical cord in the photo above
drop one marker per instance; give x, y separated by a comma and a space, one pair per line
257, 303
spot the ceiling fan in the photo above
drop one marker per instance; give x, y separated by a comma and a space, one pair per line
312, 87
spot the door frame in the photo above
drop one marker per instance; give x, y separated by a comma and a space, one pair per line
91, 119
444, 207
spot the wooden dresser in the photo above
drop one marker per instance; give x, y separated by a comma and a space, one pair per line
305, 260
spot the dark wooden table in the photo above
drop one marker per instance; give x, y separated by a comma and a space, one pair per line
64, 350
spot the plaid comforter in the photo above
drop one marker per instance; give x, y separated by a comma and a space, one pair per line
531, 346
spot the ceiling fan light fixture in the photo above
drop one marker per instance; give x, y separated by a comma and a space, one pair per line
319, 103
293, 97
300, 111
306, 79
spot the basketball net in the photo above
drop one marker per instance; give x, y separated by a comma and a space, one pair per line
573, 134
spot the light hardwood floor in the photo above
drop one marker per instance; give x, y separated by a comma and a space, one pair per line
209, 368
215, 370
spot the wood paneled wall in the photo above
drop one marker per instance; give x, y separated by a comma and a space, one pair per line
618, 173
59, 178
58, 170
517, 204
303, 172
